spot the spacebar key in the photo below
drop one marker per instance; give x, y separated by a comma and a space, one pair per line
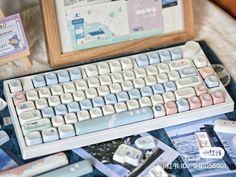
114, 120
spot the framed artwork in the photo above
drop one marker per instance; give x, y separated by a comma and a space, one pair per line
80, 31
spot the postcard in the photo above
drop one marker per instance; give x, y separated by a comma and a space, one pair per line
101, 155
12, 36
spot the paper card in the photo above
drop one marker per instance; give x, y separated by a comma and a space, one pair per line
145, 16
12, 36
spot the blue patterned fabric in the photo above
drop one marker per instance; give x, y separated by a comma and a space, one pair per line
12, 145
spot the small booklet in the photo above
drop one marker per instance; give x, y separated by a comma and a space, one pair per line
101, 156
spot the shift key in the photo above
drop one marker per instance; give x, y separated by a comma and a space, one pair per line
188, 82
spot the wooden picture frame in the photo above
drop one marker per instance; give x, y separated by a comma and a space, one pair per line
57, 57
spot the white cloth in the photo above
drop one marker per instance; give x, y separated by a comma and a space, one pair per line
212, 24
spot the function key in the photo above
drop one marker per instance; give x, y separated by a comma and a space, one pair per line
165, 56
176, 54
51, 79
115, 66
154, 58
91, 70
103, 68
142, 60
126, 63
39, 81
63, 76
75, 74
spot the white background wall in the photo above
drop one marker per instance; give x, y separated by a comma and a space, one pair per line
13, 6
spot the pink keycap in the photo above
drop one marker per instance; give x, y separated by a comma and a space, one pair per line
218, 97
194, 102
206, 72
19, 97
200, 89
171, 108
206, 100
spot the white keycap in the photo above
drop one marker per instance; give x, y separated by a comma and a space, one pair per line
115, 66
81, 85
91, 93
117, 78
70, 118
66, 131
163, 68
180, 64
41, 103
126, 63
185, 93
132, 104
56, 90
191, 49
151, 70
127, 85
95, 112
29, 116
159, 110
103, 68
162, 78
140, 73
36, 125
15, 85
128, 75
33, 138
145, 143
44, 92
150, 80
66, 98
120, 107
168, 96
54, 101
108, 109
57, 121
91, 70
144, 102
103, 90
128, 154
188, 82
25, 106
115, 88
69, 87
79, 95
200, 61
139, 83
50, 134
93, 82
156, 99
32, 95
173, 75
83, 115
105, 80
157, 171
225, 126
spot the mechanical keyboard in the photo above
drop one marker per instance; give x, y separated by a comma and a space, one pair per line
92, 103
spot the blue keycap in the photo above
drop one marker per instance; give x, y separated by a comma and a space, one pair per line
176, 54
182, 105
73, 107
48, 112
165, 56
85, 104
98, 102
142, 60
63, 76
134, 94
51, 79
122, 97
75, 74
158, 89
119, 119
187, 72
60, 109
146, 91
170, 86
39, 81
110, 99
154, 58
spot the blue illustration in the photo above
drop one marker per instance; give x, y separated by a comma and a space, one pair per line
15, 42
